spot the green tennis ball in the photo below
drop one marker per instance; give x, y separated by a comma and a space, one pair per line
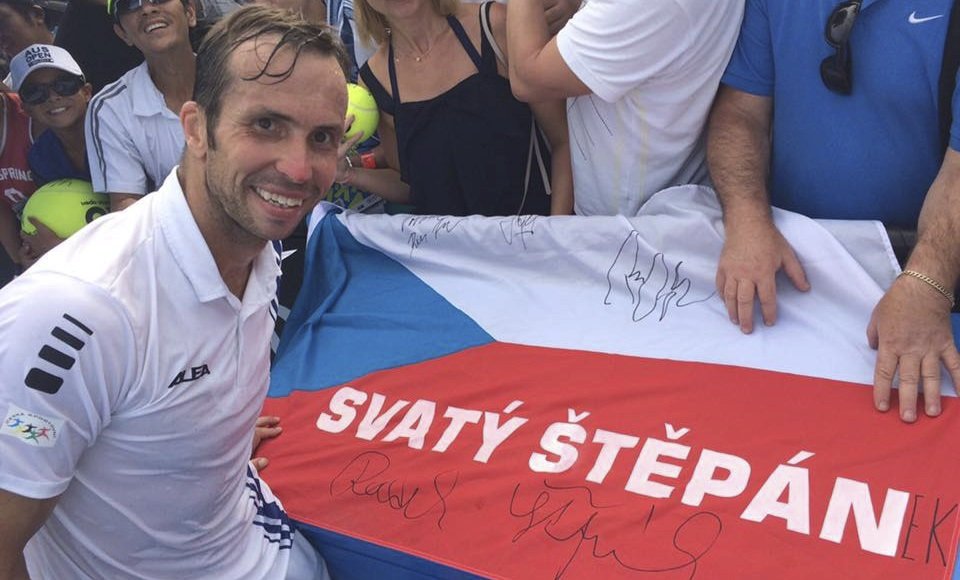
363, 107
64, 206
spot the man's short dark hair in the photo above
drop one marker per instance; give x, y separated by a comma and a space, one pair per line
249, 23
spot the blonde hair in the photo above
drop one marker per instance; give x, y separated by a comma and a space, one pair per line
373, 26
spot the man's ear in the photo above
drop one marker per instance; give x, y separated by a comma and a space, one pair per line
120, 32
191, 9
194, 123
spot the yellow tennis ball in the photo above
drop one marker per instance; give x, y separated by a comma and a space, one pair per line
363, 107
64, 206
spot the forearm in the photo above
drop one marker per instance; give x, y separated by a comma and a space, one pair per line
561, 181
384, 182
738, 154
938, 230
551, 117
910, 327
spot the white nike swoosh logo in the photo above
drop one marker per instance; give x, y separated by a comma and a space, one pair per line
914, 19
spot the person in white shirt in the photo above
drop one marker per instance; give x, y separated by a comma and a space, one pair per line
137, 351
640, 76
133, 133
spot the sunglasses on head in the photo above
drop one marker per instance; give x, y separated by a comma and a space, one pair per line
37, 93
120, 7
835, 70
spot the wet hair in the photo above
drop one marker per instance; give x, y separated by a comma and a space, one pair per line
373, 26
288, 31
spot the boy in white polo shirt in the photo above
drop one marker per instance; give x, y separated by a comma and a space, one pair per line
55, 94
133, 130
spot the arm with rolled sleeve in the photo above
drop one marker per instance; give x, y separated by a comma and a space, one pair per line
115, 164
63, 356
738, 154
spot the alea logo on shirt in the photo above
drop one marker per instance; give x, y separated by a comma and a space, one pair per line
30, 427
193, 374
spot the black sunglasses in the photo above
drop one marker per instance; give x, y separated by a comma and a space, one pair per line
37, 93
120, 7
835, 70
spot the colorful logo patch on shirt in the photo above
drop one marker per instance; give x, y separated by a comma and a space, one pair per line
30, 427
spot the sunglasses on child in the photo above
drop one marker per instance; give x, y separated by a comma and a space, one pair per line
37, 93
120, 7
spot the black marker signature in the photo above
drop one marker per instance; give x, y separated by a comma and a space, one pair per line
518, 227
558, 511
653, 288
421, 229
366, 476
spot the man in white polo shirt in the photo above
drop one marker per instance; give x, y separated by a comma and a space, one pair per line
640, 75
133, 132
136, 353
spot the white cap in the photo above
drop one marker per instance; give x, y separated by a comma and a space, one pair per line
38, 56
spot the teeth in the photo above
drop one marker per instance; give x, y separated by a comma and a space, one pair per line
58, 110
278, 200
155, 26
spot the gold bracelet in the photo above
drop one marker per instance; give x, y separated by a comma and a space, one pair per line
932, 283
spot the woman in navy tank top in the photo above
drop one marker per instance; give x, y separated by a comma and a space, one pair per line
449, 123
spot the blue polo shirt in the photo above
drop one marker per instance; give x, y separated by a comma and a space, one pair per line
869, 155
49, 161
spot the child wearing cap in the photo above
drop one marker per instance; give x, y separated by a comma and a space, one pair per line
55, 95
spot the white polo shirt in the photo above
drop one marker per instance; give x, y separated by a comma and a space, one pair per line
653, 69
133, 139
133, 381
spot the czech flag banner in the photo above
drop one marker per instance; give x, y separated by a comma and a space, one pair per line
565, 397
